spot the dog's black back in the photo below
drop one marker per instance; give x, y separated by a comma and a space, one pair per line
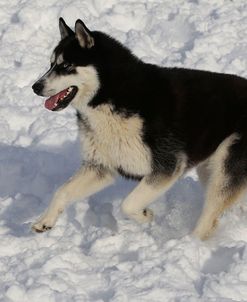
183, 110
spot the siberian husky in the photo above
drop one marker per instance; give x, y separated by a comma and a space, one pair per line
148, 123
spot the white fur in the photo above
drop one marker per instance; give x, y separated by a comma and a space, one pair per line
115, 141
88, 84
60, 59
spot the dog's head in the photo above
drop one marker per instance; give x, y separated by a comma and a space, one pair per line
72, 77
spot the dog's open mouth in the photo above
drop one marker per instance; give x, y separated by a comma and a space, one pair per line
62, 99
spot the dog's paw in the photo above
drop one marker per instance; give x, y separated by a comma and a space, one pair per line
145, 216
148, 215
42, 225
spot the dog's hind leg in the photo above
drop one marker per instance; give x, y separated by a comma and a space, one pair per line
218, 198
203, 172
225, 186
87, 181
149, 189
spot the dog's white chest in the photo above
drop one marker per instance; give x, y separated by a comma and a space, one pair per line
115, 141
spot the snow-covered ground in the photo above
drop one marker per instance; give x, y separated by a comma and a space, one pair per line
94, 254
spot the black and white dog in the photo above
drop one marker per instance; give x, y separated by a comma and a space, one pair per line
148, 123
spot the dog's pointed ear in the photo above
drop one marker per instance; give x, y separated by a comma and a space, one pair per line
65, 31
83, 35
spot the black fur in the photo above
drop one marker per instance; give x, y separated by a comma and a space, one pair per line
128, 176
183, 110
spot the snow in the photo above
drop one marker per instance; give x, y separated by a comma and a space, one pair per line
95, 254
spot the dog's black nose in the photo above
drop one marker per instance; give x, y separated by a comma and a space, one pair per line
38, 87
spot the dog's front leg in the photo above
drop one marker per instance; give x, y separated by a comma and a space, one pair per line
87, 181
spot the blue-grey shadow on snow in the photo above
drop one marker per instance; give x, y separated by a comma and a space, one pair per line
101, 204
28, 178
176, 212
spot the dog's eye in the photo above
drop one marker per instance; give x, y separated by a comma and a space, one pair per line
66, 65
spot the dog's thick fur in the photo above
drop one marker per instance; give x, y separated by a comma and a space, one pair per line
148, 123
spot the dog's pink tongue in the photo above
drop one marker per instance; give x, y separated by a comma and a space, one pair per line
53, 101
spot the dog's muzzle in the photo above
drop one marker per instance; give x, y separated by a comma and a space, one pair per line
38, 87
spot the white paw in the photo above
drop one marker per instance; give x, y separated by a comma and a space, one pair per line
43, 224
199, 235
145, 216
202, 234
204, 230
